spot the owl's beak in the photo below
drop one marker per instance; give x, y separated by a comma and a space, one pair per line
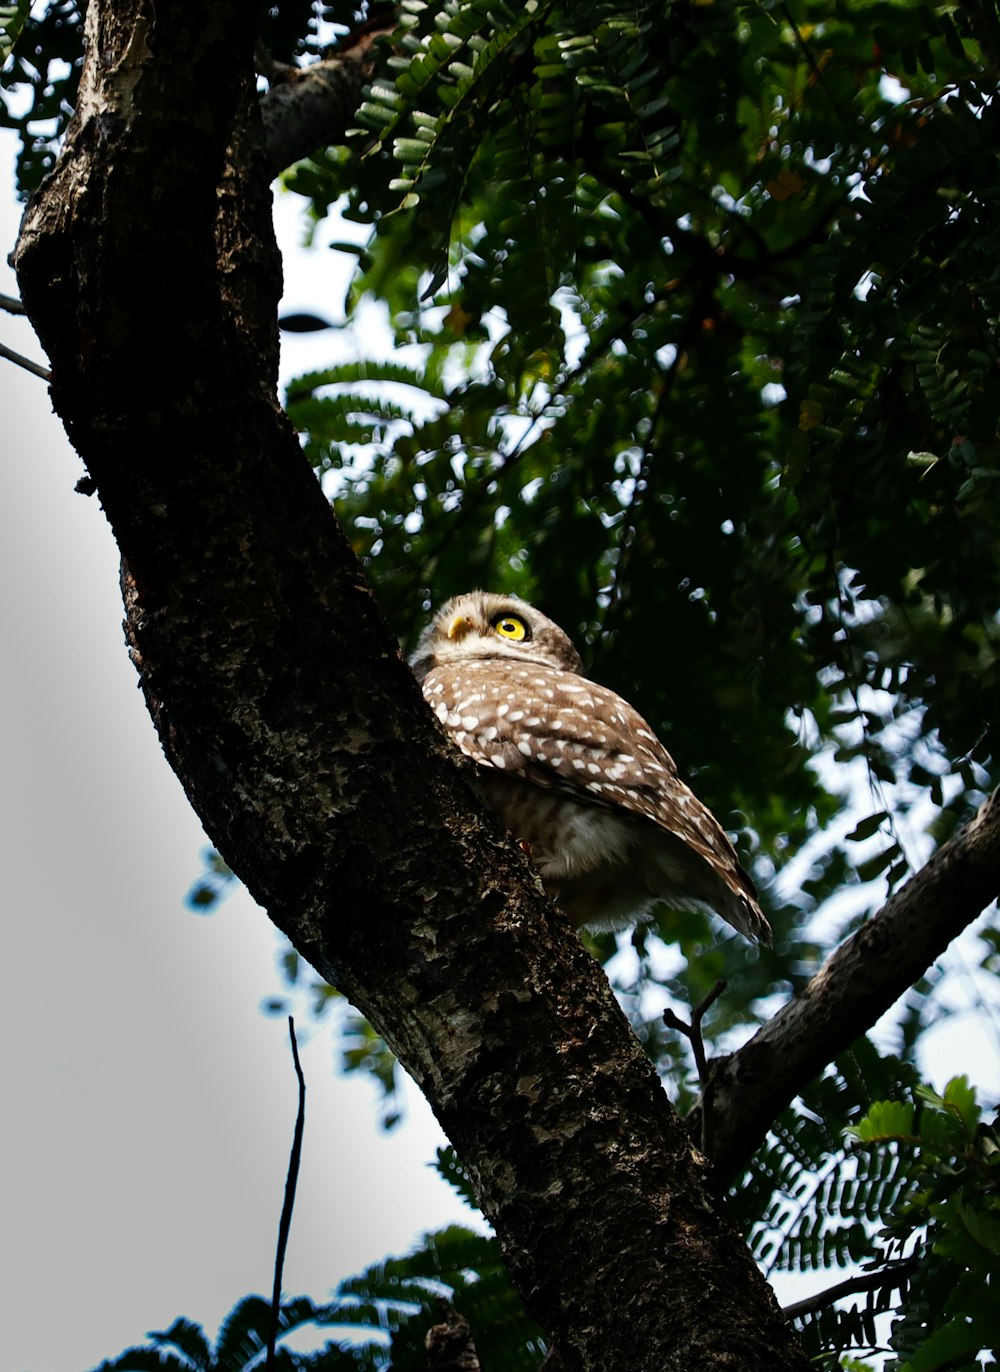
459, 627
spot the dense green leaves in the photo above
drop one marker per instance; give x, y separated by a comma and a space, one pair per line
947, 1211
38, 90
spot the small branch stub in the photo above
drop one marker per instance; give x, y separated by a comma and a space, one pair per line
450, 1345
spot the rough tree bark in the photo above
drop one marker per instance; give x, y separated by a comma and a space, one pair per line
148, 267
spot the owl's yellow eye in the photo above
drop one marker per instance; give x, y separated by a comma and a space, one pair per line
509, 626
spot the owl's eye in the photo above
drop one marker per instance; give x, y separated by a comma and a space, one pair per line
510, 626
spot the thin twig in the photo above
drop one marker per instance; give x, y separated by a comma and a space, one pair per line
893, 1275
35, 368
818, 75
692, 1031
11, 304
285, 1223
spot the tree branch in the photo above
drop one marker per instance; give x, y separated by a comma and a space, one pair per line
863, 978
895, 1274
312, 107
35, 368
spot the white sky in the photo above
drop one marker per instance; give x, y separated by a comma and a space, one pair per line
149, 1105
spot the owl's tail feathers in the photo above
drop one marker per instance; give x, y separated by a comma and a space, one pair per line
742, 910
688, 873
746, 915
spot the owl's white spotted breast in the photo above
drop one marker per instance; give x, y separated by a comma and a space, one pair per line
561, 731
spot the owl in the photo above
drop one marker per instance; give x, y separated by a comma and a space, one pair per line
576, 775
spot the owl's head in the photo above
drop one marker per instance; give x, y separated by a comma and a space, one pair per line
480, 624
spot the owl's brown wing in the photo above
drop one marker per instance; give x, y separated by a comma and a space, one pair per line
559, 730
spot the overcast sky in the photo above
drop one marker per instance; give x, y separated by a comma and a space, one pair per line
148, 1104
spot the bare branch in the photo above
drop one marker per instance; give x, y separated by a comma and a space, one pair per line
311, 109
35, 368
895, 1274
692, 1031
11, 304
863, 978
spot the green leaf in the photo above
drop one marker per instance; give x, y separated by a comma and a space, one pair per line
12, 21
866, 827
946, 1346
887, 1119
868, 870
958, 1100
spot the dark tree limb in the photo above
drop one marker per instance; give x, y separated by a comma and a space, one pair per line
864, 977
19, 360
895, 1274
148, 266
314, 106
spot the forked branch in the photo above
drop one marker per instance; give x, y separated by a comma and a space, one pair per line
865, 977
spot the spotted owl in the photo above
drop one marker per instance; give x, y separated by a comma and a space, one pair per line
574, 772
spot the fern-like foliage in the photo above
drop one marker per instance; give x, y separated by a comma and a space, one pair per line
241, 1344
463, 1267
904, 1190
377, 1319
948, 1206
450, 1168
808, 1200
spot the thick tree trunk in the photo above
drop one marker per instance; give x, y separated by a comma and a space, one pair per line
148, 267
